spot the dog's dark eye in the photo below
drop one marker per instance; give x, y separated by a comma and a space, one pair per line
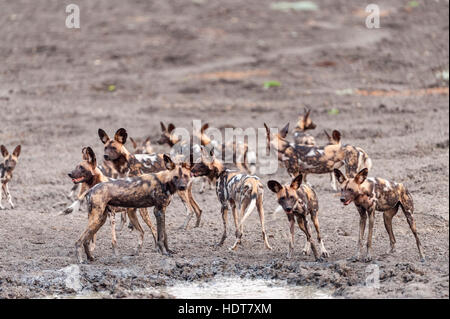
175, 178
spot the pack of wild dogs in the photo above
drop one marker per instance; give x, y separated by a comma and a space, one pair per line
126, 182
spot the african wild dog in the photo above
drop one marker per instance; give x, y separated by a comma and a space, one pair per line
6, 172
233, 188
88, 175
377, 194
127, 164
299, 200
363, 161
304, 123
308, 159
147, 190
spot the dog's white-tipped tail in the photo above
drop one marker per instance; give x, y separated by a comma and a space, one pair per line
249, 210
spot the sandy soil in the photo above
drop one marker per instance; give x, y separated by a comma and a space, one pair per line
182, 60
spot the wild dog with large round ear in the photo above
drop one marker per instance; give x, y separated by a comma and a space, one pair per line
88, 175
377, 194
166, 135
147, 190
233, 189
127, 164
298, 201
6, 171
307, 159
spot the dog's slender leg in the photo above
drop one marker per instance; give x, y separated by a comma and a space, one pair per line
371, 213
291, 219
8, 195
183, 196
224, 211
112, 220
92, 243
158, 214
160, 223
194, 205
166, 244
91, 235
238, 233
97, 217
387, 217
362, 228
247, 206
303, 225
412, 225
145, 216
1, 195
306, 250
135, 222
259, 206
123, 219
315, 220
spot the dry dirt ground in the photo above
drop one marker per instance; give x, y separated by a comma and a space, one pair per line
208, 59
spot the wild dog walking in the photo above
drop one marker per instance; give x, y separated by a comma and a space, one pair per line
88, 175
6, 172
127, 164
377, 194
234, 189
298, 201
307, 159
304, 123
147, 190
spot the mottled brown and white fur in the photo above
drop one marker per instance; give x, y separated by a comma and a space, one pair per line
6, 172
377, 194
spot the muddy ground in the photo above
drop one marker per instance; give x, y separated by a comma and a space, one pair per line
135, 63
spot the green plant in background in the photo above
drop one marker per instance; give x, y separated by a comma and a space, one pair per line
270, 84
333, 111
413, 4
297, 6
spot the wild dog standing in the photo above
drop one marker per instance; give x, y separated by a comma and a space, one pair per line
307, 159
88, 175
376, 194
127, 164
362, 158
304, 123
147, 190
233, 189
6, 169
299, 200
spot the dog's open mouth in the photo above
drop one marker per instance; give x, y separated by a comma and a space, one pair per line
348, 201
77, 180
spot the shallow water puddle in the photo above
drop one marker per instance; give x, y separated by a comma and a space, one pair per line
238, 288
222, 288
